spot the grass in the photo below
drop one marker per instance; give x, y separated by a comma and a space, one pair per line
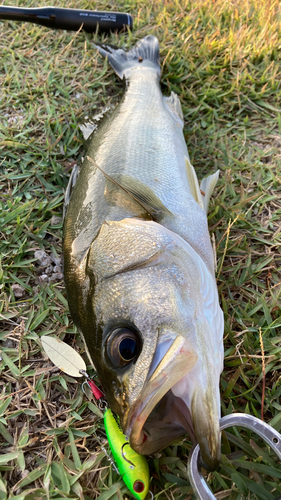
223, 59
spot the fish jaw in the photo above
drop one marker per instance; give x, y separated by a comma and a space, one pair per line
205, 417
178, 361
199, 389
197, 410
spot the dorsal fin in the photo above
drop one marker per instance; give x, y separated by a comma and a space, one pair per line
71, 183
140, 193
89, 127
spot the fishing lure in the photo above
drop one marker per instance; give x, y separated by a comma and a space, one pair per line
132, 467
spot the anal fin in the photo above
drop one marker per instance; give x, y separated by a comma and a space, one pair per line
207, 186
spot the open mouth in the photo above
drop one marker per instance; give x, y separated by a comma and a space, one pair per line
169, 420
162, 415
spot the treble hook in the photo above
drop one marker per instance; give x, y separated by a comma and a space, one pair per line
265, 431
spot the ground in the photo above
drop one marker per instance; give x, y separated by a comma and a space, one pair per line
223, 60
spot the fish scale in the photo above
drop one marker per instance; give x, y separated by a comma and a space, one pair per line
148, 153
139, 267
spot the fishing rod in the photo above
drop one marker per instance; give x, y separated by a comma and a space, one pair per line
69, 19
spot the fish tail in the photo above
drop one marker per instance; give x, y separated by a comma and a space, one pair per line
145, 53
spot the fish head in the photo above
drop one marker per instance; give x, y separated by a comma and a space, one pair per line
155, 342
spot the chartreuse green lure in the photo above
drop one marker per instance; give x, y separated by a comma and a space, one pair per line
132, 466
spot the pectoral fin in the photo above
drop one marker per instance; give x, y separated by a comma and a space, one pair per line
140, 193
207, 186
144, 196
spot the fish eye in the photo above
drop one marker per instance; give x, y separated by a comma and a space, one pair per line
123, 346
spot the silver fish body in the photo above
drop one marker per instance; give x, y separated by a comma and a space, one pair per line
139, 267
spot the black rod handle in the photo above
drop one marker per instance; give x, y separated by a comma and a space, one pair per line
69, 19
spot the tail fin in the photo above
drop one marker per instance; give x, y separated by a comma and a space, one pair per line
145, 53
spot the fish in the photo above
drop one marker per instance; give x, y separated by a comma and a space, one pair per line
139, 267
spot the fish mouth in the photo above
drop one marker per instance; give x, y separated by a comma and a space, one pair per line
160, 416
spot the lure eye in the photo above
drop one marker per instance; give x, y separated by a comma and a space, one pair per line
123, 346
138, 486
